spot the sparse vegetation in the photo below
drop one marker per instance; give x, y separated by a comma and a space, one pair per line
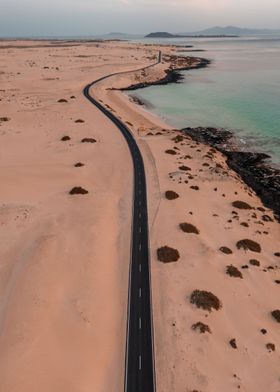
77, 190
270, 347
205, 300
226, 250
88, 140
171, 195
201, 327
276, 315
65, 138
233, 344
188, 228
184, 168
234, 272
255, 262
249, 245
4, 119
79, 164
167, 254
171, 152
242, 205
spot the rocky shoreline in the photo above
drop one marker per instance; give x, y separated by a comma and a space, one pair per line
173, 74
252, 167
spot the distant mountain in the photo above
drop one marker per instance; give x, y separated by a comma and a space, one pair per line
232, 30
164, 34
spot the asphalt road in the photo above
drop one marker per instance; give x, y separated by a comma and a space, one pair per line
139, 366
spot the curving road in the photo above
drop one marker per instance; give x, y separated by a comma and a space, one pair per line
139, 366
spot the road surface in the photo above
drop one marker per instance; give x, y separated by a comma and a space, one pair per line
139, 366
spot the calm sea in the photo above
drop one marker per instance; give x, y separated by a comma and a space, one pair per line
239, 91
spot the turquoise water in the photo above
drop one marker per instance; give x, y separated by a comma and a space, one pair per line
239, 91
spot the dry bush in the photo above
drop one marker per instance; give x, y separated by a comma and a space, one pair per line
184, 168
4, 119
270, 347
276, 315
233, 344
225, 250
201, 327
249, 245
65, 138
167, 254
171, 195
242, 205
79, 164
88, 140
171, 152
188, 228
77, 190
255, 262
205, 300
234, 272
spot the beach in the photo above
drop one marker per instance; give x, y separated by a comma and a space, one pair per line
65, 258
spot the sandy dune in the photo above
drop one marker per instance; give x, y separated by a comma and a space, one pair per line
64, 259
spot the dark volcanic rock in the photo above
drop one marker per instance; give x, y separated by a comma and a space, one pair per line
251, 166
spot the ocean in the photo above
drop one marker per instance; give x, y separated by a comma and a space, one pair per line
239, 91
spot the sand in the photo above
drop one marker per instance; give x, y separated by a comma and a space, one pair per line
64, 259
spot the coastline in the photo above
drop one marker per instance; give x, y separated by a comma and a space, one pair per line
64, 260
252, 167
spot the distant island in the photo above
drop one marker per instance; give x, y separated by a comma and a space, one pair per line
216, 32
169, 35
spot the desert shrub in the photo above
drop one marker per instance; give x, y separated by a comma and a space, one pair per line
77, 190
184, 168
242, 205
167, 254
233, 344
171, 152
79, 121
267, 218
65, 138
205, 300
171, 195
201, 327
225, 250
62, 100
233, 272
276, 315
270, 347
249, 245
255, 262
79, 164
195, 187
188, 228
88, 140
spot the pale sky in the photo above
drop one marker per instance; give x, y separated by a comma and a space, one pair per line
89, 17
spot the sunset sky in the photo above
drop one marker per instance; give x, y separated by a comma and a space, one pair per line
89, 17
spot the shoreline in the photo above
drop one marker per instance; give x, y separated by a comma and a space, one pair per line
252, 167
